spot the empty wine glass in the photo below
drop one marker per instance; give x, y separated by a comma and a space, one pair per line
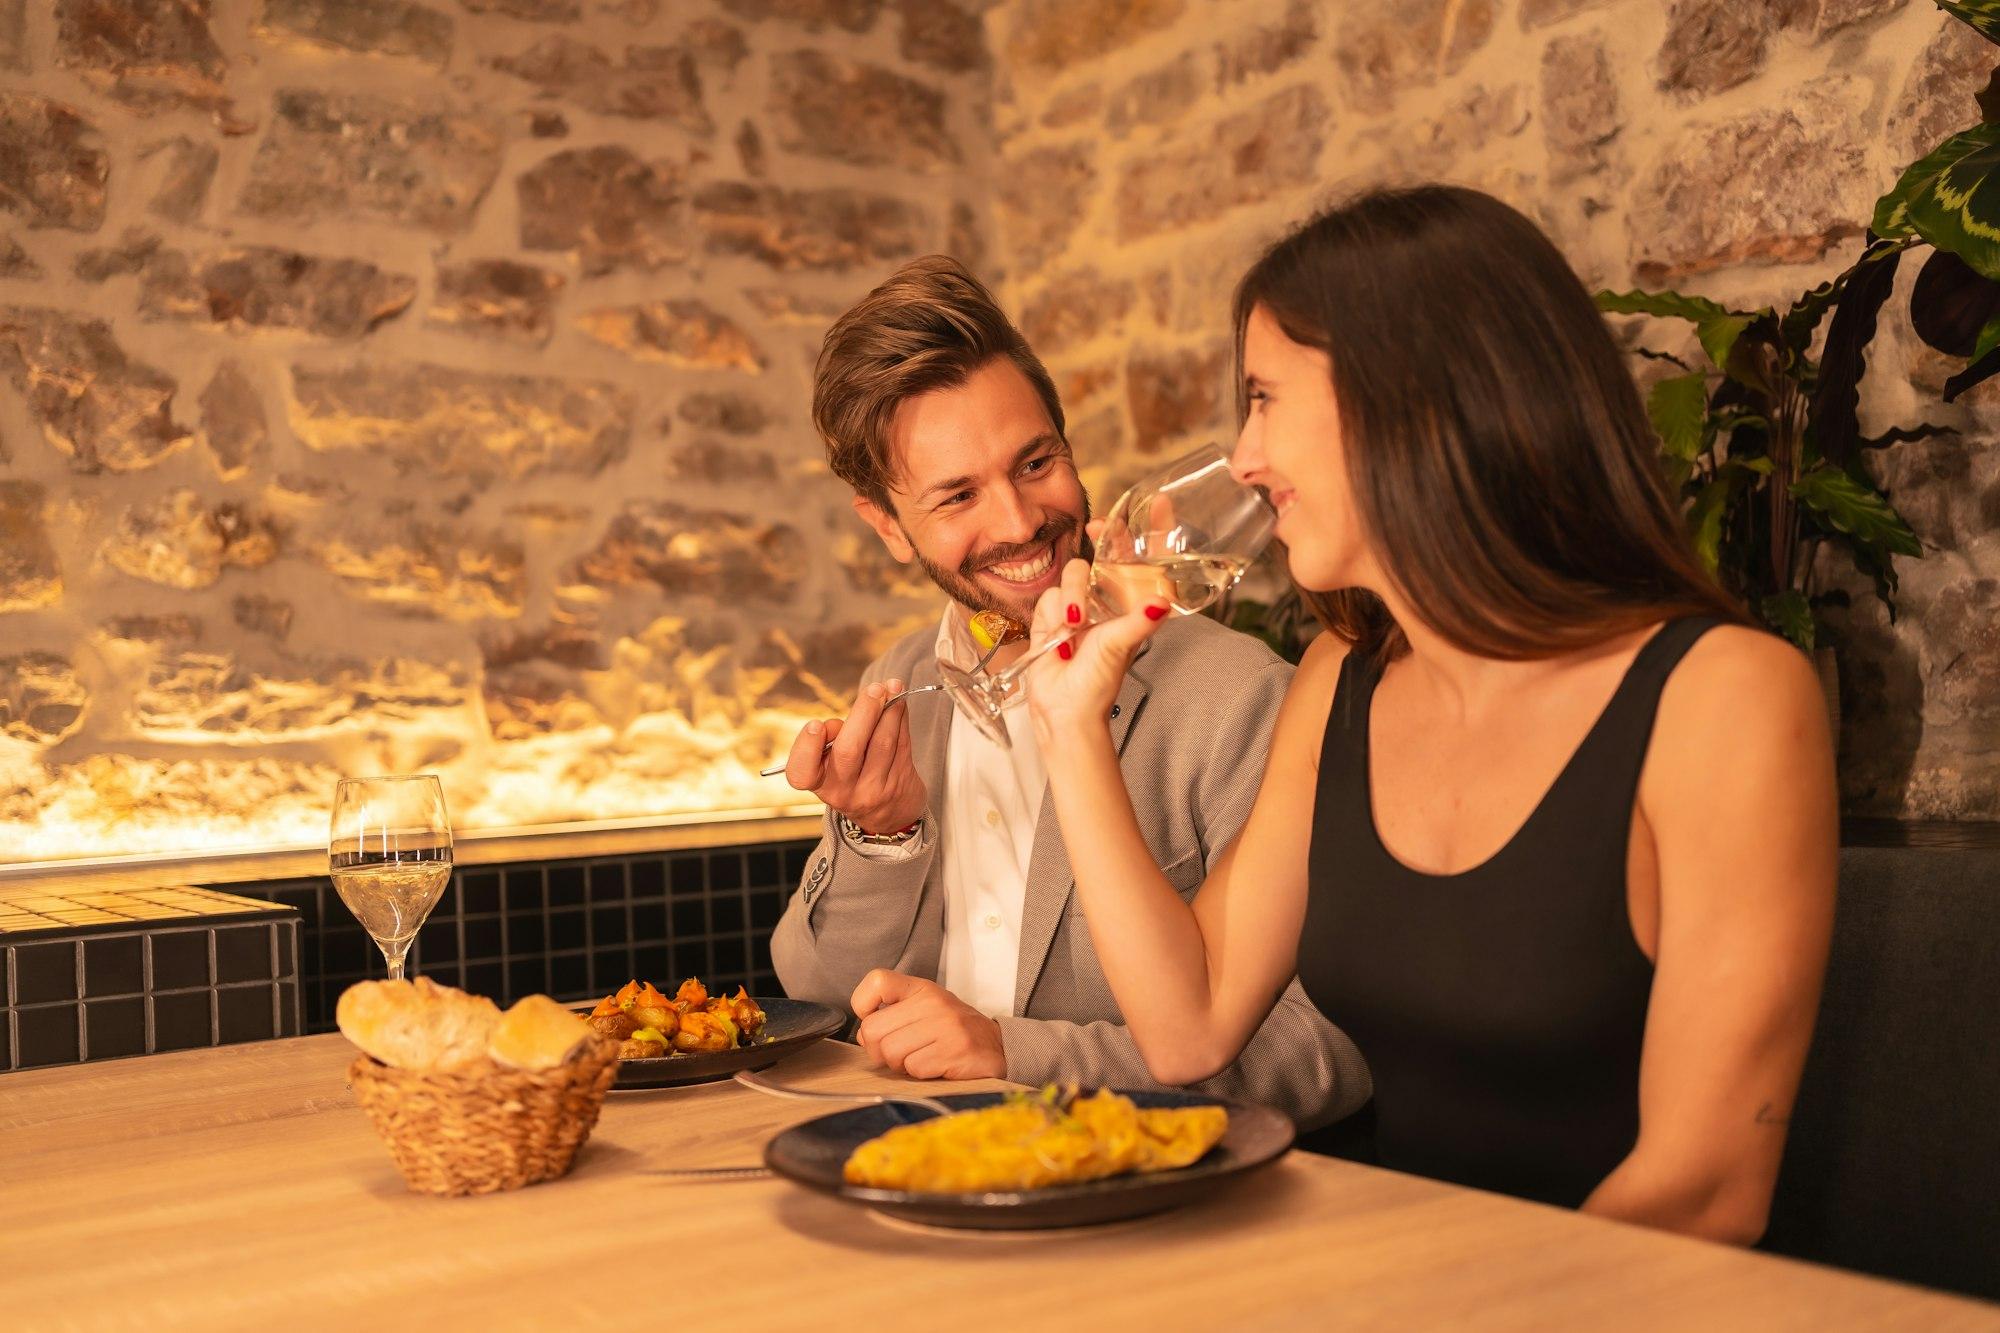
390, 856
1184, 535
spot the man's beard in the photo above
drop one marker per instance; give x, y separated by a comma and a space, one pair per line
963, 588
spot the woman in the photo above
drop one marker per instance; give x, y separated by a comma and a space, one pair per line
1546, 826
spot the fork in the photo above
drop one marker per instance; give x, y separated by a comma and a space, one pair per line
979, 666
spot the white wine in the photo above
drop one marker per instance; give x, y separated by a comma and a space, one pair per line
391, 894
1188, 583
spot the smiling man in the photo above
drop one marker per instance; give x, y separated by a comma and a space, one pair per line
937, 906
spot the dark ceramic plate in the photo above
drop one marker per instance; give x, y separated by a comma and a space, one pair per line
814, 1153
789, 1027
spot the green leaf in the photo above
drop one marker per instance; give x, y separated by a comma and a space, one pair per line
1983, 15
1989, 338
1715, 325
1678, 407
1900, 434
1709, 513
1836, 397
1857, 509
1802, 321
1790, 614
1951, 198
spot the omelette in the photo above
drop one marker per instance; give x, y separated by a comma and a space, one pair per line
1030, 1142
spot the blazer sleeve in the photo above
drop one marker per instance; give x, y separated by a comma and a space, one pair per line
1297, 1062
850, 915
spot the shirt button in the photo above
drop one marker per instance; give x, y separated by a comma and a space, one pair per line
992, 819
992, 921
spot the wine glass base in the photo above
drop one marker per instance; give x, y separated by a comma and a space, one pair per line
978, 701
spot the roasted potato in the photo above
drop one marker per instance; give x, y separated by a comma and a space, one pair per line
615, 1025
661, 1016
703, 1031
643, 1044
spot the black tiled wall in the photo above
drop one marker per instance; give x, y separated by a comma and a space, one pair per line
105, 994
571, 929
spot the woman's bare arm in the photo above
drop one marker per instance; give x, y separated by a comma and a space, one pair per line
1739, 796
1193, 984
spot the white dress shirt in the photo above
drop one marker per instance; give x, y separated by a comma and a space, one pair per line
985, 836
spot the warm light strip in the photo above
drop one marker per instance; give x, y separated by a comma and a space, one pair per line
540, 842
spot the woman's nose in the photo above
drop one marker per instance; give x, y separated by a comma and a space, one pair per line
1246, 460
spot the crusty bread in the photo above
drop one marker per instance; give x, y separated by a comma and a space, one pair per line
537, 1033
417, 1024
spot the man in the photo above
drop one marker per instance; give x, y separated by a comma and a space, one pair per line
937, 906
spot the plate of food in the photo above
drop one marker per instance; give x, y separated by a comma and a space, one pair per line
667, 1041
1026, 1160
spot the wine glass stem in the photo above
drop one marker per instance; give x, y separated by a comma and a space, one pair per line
1064, 635
394, 957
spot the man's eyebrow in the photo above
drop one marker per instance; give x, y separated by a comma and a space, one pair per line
1034, 446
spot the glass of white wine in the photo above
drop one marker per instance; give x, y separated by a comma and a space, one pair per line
390, 856
1183, 535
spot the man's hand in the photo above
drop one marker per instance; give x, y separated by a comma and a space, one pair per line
870, 774
919, 1028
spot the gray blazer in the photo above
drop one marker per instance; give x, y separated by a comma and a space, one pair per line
1192, 726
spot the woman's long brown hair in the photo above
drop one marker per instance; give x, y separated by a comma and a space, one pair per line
1501, 461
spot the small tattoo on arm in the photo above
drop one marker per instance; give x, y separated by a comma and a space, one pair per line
1767, 1114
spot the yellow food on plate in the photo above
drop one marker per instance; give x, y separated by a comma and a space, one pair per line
536, 1033
417, 1024
1031, 1142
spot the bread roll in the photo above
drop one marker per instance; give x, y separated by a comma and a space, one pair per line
417, 1024
537, 1033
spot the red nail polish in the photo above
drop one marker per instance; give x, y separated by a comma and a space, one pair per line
1155, 612
1064, 651
1075, 614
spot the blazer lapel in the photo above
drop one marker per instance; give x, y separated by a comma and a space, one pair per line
930, 735
1049, 881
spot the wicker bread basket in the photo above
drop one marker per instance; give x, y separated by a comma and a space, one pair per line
488, 1129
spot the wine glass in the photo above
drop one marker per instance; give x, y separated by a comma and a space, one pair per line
1184, 535
390, 856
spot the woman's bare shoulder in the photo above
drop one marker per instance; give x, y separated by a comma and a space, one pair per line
1740, 694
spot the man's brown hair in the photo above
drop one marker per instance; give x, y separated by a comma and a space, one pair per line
930, 326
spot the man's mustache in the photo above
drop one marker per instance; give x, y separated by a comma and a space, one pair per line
1052, 528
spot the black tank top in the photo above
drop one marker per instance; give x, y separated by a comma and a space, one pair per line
1501, 1010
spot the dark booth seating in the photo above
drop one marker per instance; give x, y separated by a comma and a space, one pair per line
1893, 1165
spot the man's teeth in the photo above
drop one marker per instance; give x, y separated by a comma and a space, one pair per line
1027, 570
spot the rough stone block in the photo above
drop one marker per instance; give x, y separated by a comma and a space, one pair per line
534, 11
270, 616
373, 27
16, 262
941, 34
41, 698
716, 463
853, 112
716, 43
178, 541
1579, 102
130, 255
425, 567
808, 229
363, 156
233, 421
680, 332
461, 423
730, 558
1715, 44
146, 53
1074, 308
730, 413
607, 207
1541, 13
1045, 36
14, 34
1175, 393
1249, 157
1041, 198
263, 287
213, 695
1936, 100
106, 412
1778, 185
781, 305
1266, 49
30, 576
497, 298
190, 170
53, 166
1383, 48
1159, 96
654, 83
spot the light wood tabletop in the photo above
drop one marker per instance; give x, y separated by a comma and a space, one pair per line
242, 1188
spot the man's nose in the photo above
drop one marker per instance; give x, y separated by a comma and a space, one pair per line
1019, 521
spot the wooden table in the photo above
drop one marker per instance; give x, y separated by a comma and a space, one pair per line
242, 1188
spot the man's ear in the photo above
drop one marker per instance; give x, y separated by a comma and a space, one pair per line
886, 527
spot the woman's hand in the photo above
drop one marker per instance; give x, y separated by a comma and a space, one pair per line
1073, 687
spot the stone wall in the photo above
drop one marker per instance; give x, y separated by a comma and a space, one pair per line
390, 384
1148, 148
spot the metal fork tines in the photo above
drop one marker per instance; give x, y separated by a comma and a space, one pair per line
977, 667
